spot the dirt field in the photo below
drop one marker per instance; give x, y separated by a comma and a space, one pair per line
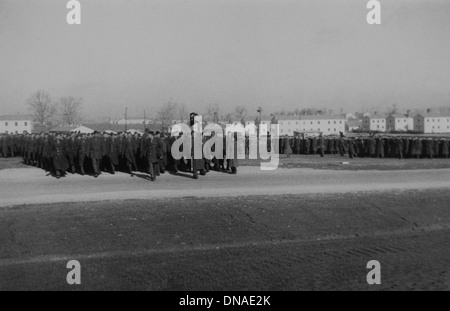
289, 242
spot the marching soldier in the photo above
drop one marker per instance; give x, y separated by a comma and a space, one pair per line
95, 152
60, 164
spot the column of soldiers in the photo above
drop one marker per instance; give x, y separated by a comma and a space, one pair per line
368, 146
95, 153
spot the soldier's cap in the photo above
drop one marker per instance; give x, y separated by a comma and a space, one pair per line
157, 132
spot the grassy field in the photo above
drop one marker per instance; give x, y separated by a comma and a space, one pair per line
289, 242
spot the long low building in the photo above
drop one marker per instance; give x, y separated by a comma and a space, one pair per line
325, 124
429, 123
16, 124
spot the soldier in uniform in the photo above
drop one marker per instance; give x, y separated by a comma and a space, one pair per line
380, 147
287, 147
60, 164
71, 148
95, 152
321, 145
128, 152
445, 148
307, 143
82, 151
148, 152
112, 153
232, 157
159, 145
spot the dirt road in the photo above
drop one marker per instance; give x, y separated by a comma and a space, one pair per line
31, 185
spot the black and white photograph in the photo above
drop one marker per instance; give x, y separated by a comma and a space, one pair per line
225, 150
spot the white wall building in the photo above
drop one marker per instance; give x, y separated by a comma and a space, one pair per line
399, 122
328, 125
376, 122
16, 124
429, 123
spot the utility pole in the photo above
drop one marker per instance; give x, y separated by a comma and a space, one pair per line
145, 122
259, 121
126, 111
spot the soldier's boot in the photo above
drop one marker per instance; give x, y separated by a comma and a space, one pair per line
58, 174
203, 172
233, 170
82, 171
72, 169
129, 168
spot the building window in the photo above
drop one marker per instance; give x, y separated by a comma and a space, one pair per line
334, 122
26, 123
340, 122
16, 124
318, 122
335, 130
329, 122
311, 122
6, 124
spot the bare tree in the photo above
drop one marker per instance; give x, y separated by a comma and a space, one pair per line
69, 110
229, 118
166, 113
212, 112
182, 112
42, 107
240, 113
393, 109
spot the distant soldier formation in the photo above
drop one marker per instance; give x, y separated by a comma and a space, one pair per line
95, 153
150, 153
368, 146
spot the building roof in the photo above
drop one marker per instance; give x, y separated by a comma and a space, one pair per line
376, 116
434, 115
287, 118
353, 123
102, 127
398, 115
321, 117
16, 117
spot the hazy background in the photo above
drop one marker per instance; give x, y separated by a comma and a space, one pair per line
275, 54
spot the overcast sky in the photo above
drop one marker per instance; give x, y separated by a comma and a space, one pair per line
275, 54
